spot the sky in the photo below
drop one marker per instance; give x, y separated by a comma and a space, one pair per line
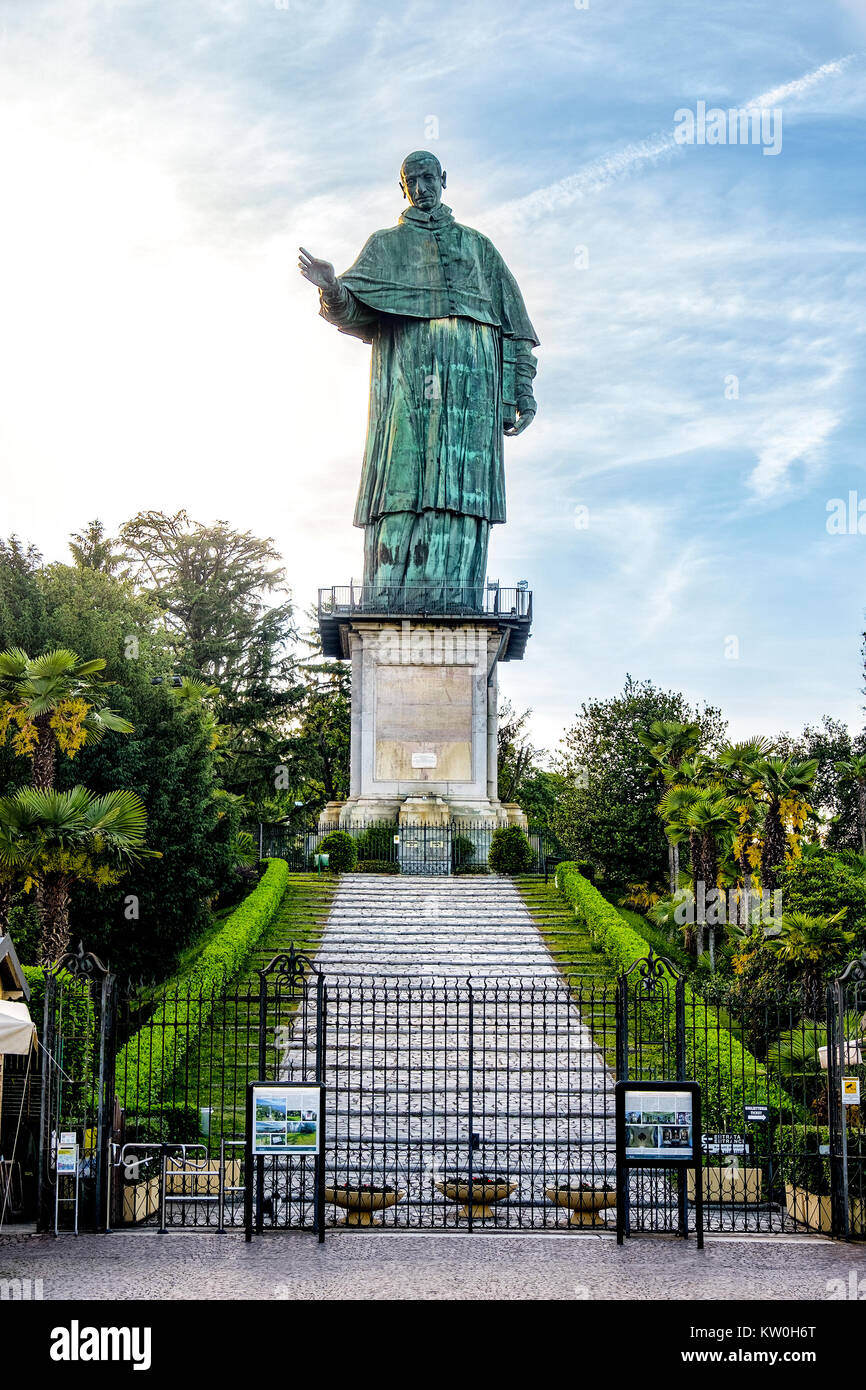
682, 504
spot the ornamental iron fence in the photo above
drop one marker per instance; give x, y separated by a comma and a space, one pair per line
478, 1103
459, 847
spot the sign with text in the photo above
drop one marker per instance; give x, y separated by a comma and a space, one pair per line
656, 1122
658, 1125
726, 1144
851, 1090
285, 1119
756, 1114
67, 1158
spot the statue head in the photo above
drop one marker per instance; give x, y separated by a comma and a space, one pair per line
422, 179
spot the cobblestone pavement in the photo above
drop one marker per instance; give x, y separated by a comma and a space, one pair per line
416, 1060
379, 1266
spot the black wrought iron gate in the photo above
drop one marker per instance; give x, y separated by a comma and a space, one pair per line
473, 1103
77, 1097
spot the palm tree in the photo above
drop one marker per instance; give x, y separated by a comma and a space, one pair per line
853, 769
684, 781
668, 743
813, 946
712, 816
737, 766
54, 839
785, 783
50, 699
704, 812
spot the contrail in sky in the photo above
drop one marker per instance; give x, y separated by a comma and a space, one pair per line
599, 173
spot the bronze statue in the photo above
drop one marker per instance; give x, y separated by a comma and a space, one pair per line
452, 371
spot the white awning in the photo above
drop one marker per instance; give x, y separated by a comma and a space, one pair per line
17, 1031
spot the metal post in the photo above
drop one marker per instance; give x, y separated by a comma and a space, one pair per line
221, 1190
836, 1056
623, 1222
319, 1170
698, 1129
163, 1169
680, 1048
471, 1109
105, 1096
48, 1042
680, 1013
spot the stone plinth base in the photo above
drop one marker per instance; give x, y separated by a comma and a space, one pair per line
424, 722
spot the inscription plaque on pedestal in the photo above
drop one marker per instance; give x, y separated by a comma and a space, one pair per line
423, 723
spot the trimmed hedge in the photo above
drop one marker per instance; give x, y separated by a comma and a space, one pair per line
378, 866
655, 937
154, 1053
730, 1076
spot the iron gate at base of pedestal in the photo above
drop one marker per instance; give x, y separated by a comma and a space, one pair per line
458, 846
481, 1104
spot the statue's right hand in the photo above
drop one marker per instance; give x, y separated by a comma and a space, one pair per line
319, 273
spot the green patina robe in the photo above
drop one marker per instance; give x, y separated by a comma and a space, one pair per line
452, 357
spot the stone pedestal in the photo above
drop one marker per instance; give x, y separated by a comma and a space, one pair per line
424, 722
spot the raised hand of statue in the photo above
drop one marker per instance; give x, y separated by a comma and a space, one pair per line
523, 421
319, 273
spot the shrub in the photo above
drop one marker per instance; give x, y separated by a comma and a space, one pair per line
730, 1076
376, 842
803, 1165
660, 942
378, 866
463, 870
341, 850
510, 851
147, 1062
820, 885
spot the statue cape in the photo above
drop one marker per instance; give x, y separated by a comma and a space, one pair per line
431, 267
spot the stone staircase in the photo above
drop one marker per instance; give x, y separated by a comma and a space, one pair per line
451, 1032
410, 927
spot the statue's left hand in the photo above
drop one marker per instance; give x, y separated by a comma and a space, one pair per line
523, 421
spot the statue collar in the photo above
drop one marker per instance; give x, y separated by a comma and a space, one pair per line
440, 214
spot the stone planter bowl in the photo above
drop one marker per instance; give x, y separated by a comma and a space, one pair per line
585, 1203
477, 1200
360, 1202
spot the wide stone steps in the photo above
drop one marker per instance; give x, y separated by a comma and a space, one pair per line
448, 1020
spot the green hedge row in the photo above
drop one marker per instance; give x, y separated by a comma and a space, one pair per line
730, 1076
154, 1053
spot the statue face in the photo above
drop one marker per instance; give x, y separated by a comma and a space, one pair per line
422, 182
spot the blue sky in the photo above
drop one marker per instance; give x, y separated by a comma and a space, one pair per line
162, 161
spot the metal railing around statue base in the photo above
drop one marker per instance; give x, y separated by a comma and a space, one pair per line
462, 847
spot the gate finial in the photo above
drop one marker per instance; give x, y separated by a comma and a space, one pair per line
81, 964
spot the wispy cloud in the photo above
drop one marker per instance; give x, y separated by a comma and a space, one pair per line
619, 164
797, 439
